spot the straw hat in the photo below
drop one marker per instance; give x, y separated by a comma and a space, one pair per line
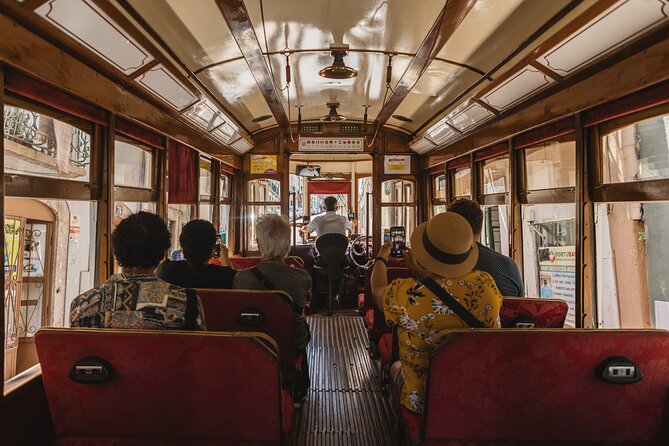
445, 245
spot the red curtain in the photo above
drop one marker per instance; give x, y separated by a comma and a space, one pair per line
45, 94
182, 162
139, 133
492, 151
227, 169
329, 187
458, 162
545, 133
438, 169
642, 100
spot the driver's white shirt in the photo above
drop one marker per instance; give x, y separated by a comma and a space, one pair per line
329, 223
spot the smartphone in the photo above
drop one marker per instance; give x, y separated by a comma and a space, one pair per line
398, 238
351, 216
305, 219
217, 247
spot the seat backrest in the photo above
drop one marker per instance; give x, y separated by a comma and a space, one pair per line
269, 312
332, 249
167, 387
517, 312
514, 386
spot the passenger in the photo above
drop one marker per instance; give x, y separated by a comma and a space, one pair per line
273, 237
444, 251
198, 241
136, 298
330, 222
502, 268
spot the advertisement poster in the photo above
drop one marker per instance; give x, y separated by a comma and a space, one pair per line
397, 164
263, 164
557, 277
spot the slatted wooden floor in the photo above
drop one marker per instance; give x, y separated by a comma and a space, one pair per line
346, 403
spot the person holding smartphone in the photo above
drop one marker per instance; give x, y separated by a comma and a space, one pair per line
200, 243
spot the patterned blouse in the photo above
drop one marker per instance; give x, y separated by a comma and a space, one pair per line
420, 316
134, 301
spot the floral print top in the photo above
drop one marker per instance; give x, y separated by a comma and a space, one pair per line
420, 316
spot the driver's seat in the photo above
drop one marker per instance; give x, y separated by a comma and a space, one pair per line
332, 249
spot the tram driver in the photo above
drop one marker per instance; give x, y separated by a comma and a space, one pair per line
330, 222
446, 293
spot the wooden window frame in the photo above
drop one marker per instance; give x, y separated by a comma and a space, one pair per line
539, 196
140, 194
450, 183
490, 199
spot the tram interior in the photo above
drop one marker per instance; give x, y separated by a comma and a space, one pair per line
552, 115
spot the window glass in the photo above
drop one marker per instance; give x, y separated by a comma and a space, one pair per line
132, 165
123, 209
38, 145
365, 206
439, 187
637, 152
177, 216
462, 184
254, 212
224, 228
551, 165
397, 191
49, 257
264, 190
496, 176
631, 268
317, 207
205, 179
398, 216
224, 181
438, 209
495, 228
207, 212
549, 254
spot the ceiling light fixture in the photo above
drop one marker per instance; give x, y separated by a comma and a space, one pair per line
402, 118
261, 118
333, 116
338, 70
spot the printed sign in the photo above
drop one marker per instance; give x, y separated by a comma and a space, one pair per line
397, 164
263, 164
332, 144
557, 277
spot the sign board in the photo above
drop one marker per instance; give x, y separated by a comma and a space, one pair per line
263, 164
331, 144
397, 164
557, 277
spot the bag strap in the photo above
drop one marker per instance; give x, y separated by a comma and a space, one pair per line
190, 318
264, 281
452, 303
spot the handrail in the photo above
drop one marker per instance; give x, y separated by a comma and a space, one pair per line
369, 210
22, 378
294, 197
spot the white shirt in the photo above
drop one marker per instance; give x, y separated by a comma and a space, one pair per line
328, 223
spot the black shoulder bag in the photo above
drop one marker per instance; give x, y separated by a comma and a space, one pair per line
452, 303
190, 318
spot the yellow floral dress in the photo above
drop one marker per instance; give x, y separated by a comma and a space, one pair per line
420, 316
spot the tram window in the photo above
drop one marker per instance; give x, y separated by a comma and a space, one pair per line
132, 165
439, 187
49, 255
177, 217
399, 216
551, 165
549, 253
636, 152
253, 213
124, 209
38, 145
462, 185
224, 228
496, 175
206, 183
631, 255
365, 206
264, 190
495, 230
207, 212
224, 184
397, 191
437, 209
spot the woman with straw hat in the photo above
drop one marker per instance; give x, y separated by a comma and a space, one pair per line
448, 294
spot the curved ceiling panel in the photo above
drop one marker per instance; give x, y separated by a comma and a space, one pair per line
440, 84
236, 87
195, 30
313, 92
494, 28
362, 24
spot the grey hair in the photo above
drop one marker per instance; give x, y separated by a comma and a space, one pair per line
273, 234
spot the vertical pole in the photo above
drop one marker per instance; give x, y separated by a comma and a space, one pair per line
2, 233
161, 172
516, 218
216, 193
106, 203
475, 180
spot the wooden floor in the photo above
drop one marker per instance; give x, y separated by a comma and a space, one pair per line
347, 404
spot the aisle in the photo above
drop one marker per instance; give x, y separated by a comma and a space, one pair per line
346, 404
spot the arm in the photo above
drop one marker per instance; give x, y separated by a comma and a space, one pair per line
379, 277
224, 256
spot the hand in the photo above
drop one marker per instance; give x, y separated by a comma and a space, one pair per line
385, 250
413, 265
354, 223
224, 256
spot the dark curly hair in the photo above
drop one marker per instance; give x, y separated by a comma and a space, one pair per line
197, 240
469, 209
330, 203
140, 240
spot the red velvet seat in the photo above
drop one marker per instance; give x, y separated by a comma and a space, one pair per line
168, 387
240, 263
269, 312
538, 387
387, 352
543, 313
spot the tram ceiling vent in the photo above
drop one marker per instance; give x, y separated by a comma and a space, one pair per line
338, 69
333, 116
